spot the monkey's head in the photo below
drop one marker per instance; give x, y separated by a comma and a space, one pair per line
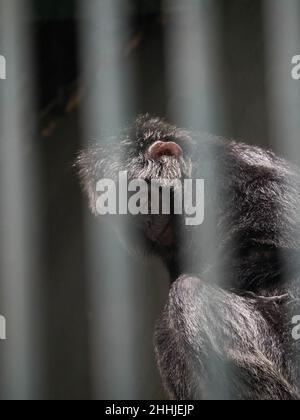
151, 151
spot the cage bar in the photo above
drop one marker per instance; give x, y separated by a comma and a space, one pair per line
20, 250
107, 81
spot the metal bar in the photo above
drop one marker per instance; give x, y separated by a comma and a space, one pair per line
282, 26
196, 90
282, 31
20, 361
113, 346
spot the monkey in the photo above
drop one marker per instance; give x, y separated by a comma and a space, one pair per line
226, 330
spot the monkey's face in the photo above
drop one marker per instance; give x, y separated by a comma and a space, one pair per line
150, 151
161, 156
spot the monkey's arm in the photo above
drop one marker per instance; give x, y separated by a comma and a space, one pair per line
212, 344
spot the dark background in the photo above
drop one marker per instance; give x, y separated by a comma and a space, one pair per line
58, 83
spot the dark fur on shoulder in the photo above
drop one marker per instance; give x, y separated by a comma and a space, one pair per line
230, 339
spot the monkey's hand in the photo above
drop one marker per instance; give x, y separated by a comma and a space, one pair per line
212, 344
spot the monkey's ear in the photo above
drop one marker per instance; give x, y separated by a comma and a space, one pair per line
88, 167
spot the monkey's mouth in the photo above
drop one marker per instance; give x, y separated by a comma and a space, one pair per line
159, 230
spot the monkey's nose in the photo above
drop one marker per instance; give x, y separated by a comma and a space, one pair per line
160, 148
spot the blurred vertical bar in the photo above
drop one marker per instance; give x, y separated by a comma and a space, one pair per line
192, 51
193, 64
104, 34
20, 359
282, 44
282, 20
